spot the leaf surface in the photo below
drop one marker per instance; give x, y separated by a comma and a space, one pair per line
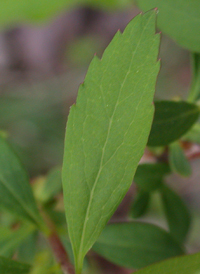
8, 266
194, 93
10, 240
178, 161
149, 177
51, 187
135, 245
16, 195
177, 214
107, 131
140, 204
179, 19
189, 264
171, 121
193, 135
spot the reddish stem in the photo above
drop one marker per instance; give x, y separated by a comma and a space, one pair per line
60, 253
57, 247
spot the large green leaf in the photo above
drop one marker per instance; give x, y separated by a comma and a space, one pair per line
8, 266
107, 131
179, 19
189, 264
149, 177
15, 192
135, 245
178, 161
171, 121
177, 213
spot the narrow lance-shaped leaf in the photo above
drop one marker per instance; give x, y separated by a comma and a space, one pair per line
135, 245
16, 195
171, 121
189, 264
107, 131
8, 266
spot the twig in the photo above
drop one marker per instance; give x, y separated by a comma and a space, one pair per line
57, 247
60, 253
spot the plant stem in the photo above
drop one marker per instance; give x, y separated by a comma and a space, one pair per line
56, 245
60, 253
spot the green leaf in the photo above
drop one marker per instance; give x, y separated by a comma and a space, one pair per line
177, 214
149, 176
194, 93
8, 266
107, 131
140, 204
171, 121
179, 19
193, 135
135, 245
178, 161
189, 264
10, 240
51, 186
27, 249
15, 192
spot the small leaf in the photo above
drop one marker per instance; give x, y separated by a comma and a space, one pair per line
107, 131
178, 161
193, 135
8, 266
51, 186
135, 245
194, 93
177, 214
188, 264
15, 192
171, 121
149, 176
140, 204
10, 240
179, 19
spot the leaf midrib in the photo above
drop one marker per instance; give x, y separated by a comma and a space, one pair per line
185, 114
